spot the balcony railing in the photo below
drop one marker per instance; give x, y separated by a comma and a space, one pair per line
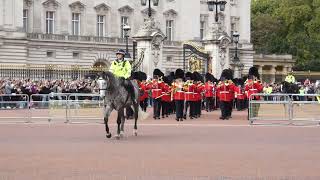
109, 40
59, 37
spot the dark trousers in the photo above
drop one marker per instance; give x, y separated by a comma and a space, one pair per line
191, 106
197, 108
156, 108
165, 108
226, 108
179, 108
209, 103
240, 104
144, 104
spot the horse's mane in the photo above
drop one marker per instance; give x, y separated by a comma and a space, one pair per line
112, 80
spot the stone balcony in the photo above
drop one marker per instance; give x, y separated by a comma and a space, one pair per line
72, 38
95, 39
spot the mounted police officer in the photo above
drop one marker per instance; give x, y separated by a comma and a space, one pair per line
122, 69
290, 78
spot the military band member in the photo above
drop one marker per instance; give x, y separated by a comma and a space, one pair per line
225, 90
209, 92
156, 92
199, 89
253, 86
240, 97
143, 99
178, 95
166, 97
189, 89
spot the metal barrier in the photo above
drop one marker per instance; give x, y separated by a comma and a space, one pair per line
17, 102
288, 108
48, 107
84, 108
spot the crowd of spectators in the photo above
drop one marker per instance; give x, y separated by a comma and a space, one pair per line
306, 87
42, 87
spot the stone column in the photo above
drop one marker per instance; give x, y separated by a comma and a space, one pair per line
284, 72
213, 49
149, 45
260, 69
216, 44
273, 73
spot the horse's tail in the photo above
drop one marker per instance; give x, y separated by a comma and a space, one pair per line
142, 115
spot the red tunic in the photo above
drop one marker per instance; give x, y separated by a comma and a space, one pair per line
253, 88
208, 90
226, 91
239, 94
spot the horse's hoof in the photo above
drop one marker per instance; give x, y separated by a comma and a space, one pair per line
109, 136
121, 134
117, 137
135, 133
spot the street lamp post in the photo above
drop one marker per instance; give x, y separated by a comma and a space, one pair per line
213, 4
144, 3
236, 36
126, 29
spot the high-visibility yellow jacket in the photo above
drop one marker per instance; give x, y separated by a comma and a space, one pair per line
121, 68
290, 79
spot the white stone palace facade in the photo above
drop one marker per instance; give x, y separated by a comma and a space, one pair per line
78, 32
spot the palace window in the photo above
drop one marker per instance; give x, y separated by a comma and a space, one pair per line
124, 21
202, 29
50, 22
169, 30
76, 24
25, 20
100, 25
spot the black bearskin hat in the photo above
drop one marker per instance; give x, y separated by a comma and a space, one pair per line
253, 71
227, 74
166, 80
209, 77
179, 74
135, 76
189, 76
197, 76
143, 76
158, 72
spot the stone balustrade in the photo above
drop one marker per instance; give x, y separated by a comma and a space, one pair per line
61, 37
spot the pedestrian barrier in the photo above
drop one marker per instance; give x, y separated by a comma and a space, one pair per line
85, 108
284, 108
14, 108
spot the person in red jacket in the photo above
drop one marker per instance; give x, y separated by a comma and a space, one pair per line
178, 94
156, 92
240, 97
209, 92
253, 86
143, 90
166, 97
189, 89
225, 91
199, 89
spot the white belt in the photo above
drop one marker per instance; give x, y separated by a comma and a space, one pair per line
224, 92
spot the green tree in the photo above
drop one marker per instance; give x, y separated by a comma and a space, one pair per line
288, 26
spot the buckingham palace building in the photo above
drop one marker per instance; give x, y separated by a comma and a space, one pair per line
81, 33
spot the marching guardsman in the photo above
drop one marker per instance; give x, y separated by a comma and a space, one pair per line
253, 86
178, 95
189, 89
209, 92
225, 91
240, 96
156, 92
143, 99
199, 89
166, 97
